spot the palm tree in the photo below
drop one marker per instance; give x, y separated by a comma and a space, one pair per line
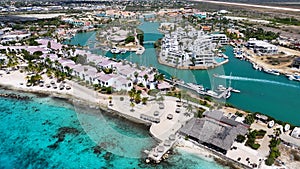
136, 74
110, 100
193, 60
182, 58
132, 105
146, 77
57, 65
189, 108
48, 62
68, 70
178, 95
131, 94
137, 98
49, 72
2, 61
144, 100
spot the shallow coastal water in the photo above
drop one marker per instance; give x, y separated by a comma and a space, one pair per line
46, 132
260, 92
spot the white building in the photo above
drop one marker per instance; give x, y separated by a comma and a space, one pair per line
262, 47
219, 39
105, 79
192, 48
14, 37
122, 83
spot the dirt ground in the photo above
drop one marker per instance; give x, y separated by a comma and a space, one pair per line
291, 157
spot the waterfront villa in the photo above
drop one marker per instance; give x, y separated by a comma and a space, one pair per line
214, 130
262, 47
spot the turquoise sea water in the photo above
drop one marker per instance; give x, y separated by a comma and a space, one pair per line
260, 92
48, 133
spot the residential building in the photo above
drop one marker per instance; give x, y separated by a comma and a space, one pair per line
192, 48
262, 47
219, 39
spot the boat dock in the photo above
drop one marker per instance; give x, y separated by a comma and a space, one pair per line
160, 152
219, 96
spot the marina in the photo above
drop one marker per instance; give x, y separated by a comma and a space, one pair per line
127, 96
252, 87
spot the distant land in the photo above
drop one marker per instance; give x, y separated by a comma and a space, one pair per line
286, 3
259, 1
273, 5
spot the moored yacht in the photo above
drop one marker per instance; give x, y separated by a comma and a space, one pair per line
196, 87
115, 50
140, 51
212, 93
293, 77
239, 54
228, 94
123, 51
272, 71
221, 88
235, 91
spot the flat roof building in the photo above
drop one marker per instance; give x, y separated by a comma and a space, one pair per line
262, 47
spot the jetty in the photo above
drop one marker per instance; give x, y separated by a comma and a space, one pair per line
160, 152
216, 96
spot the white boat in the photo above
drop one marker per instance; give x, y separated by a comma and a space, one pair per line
291, 77
195, 86
212, 93
123, 51
255, 66
225, 56
221, 88
239, 54
235, 91
271, 71
297, 77
228, 94
140, 51
115, 50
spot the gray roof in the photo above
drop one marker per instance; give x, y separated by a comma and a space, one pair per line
214, 132
215, 114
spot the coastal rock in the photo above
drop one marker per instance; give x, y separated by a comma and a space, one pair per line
14, 96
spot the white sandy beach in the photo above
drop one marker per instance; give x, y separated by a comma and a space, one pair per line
17, 81
189, 147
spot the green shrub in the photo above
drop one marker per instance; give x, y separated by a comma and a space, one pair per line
239, 114
240, 138
255, 146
